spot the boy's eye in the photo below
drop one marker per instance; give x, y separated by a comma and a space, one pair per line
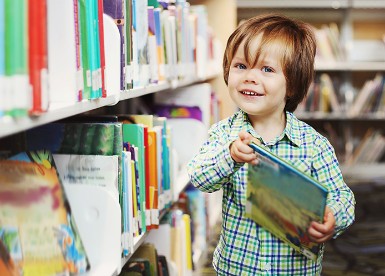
240, 66
267, 69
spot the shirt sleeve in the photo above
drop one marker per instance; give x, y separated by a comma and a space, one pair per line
213, 166
340, 198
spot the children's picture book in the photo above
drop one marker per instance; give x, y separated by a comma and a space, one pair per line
284, 200
37, 228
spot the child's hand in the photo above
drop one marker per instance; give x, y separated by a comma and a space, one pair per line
321, 233
240, 150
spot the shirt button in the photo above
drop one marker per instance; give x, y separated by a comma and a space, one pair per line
267, 267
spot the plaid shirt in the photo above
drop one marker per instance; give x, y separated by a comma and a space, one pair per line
244, 247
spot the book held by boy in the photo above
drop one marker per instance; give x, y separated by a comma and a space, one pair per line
284, 200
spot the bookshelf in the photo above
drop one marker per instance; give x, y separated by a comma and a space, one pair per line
361, 26
12, 127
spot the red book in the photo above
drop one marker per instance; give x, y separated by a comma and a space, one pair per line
37, 54
147, 173
101, 39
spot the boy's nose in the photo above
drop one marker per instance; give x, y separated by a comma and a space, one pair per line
252, 76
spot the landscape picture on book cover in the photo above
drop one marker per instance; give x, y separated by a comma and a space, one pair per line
36, 224
284, 201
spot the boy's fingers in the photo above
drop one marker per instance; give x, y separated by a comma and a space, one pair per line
245, 136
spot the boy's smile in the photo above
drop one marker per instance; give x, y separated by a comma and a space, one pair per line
259, 89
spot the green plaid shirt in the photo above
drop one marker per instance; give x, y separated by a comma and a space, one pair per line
244, 247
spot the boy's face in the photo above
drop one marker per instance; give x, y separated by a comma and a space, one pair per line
259, 90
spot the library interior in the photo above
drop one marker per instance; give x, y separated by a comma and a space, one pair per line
104, 103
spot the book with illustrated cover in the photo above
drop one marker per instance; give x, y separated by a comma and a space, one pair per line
37, 227
284, 200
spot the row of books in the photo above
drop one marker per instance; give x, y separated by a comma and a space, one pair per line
369, 150
63, 51
329, 45
324, 96
130, 156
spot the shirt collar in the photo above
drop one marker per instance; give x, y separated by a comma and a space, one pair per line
292, 129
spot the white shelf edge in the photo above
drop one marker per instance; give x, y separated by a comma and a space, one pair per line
9, 126
318, 115
293, 4
364, 172
56, 112
368, 4
349, 66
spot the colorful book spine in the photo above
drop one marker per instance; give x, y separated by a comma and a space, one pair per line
134, 134
92, 46
140, 42
2, 59
115, 9
152, 48
153, 178
84, 50
128, 44
79, 75
37, 54
102, 48
16, 56
159, 43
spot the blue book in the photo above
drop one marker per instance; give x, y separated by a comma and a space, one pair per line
284, 200
91, 23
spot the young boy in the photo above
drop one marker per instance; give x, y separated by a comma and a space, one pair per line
268, 68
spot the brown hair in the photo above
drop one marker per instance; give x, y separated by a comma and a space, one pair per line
296, 42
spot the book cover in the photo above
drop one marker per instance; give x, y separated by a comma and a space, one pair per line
78, 138
284, 201
37, 226
98, 170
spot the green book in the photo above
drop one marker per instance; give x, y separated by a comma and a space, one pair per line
84, 50
16, 56
284, 200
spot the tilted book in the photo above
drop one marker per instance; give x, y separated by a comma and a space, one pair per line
284, 200
36, 223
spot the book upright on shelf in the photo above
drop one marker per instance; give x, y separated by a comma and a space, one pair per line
284, 200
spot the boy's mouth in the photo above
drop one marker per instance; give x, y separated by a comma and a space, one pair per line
250, 93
